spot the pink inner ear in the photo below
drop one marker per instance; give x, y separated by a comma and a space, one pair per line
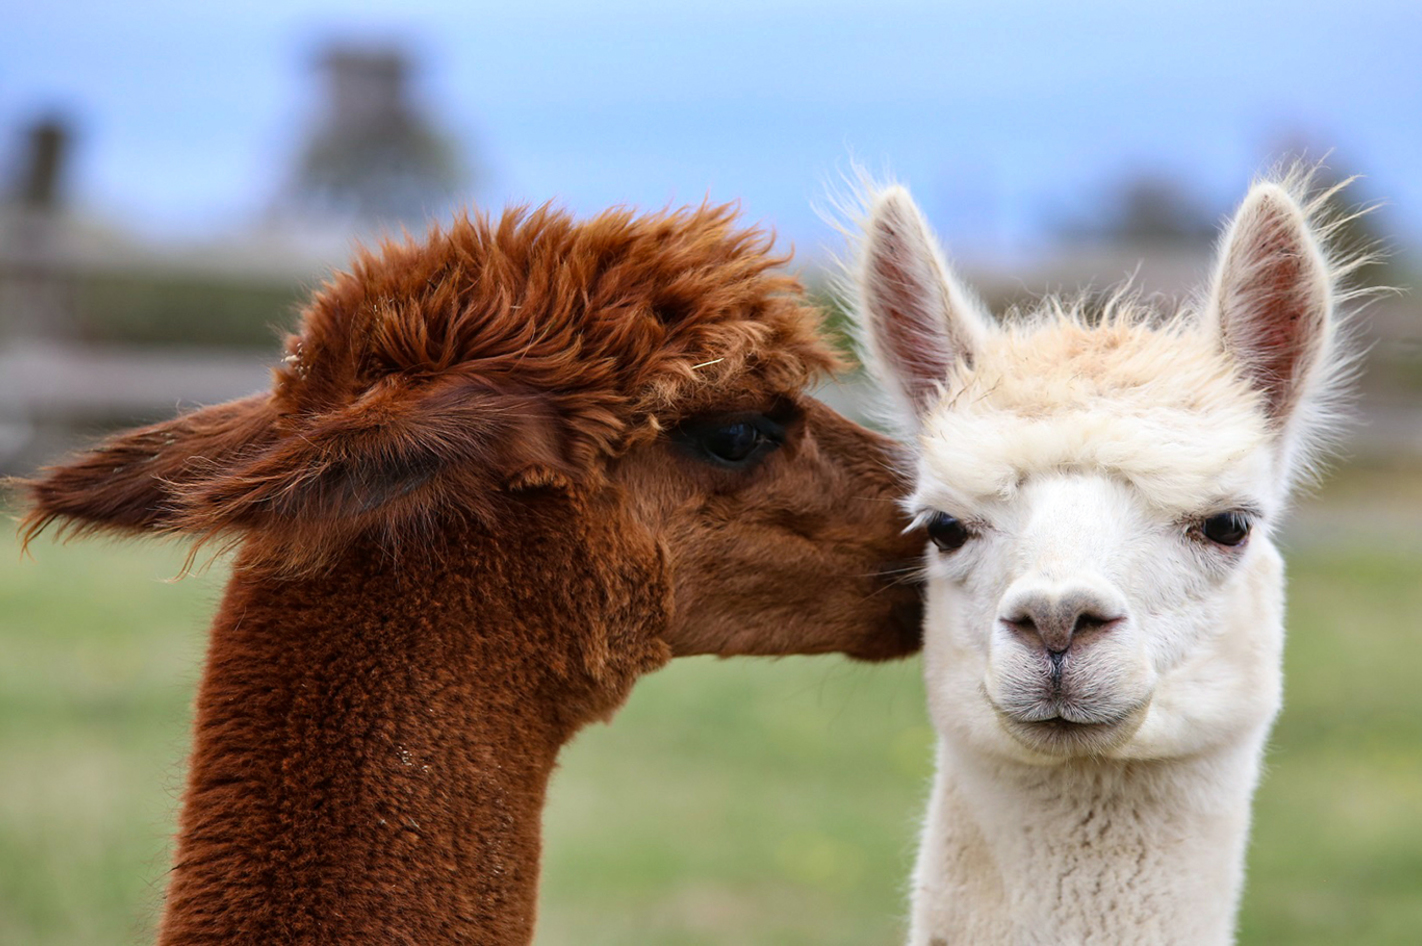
1275, 320
912, 329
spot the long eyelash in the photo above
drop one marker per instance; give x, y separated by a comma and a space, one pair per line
920, 519
1249, 511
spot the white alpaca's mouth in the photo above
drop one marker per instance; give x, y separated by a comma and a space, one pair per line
1061, 728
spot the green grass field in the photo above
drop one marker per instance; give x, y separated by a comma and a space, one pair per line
731, 802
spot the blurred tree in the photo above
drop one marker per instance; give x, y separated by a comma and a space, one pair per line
373, 156
35, 298
1156, 209
1150, 208
38, 178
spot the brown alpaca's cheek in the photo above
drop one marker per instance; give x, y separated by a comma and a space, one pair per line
788, 597
809, 556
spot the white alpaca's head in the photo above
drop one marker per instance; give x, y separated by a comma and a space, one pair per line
1101, 490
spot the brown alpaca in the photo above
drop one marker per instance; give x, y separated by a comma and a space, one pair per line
499, 476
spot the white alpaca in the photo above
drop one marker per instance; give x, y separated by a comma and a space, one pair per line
1105, 614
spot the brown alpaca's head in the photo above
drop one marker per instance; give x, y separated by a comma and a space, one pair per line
646, 372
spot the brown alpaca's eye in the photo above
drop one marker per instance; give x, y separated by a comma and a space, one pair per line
735, 441
948, 533
1226, 528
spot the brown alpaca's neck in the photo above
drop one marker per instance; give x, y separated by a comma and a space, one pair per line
370, 759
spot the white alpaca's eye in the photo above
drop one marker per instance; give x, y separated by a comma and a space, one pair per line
947, 532
1226, 528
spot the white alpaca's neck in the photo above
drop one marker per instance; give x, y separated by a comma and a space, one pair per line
1089, 852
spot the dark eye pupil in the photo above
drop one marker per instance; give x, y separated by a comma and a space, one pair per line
732, 443
1226, 528
947, 532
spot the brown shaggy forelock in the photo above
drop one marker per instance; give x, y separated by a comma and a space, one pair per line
615, 321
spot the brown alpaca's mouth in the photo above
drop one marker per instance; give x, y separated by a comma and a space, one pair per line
902, 635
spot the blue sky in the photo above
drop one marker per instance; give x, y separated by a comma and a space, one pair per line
1001, 116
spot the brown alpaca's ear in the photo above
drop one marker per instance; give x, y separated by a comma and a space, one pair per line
134, 481
400, 455
392, 463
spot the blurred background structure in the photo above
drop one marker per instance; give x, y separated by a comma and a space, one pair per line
174, 181
372, 158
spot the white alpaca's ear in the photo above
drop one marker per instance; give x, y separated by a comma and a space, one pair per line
1272, 301
916, 321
